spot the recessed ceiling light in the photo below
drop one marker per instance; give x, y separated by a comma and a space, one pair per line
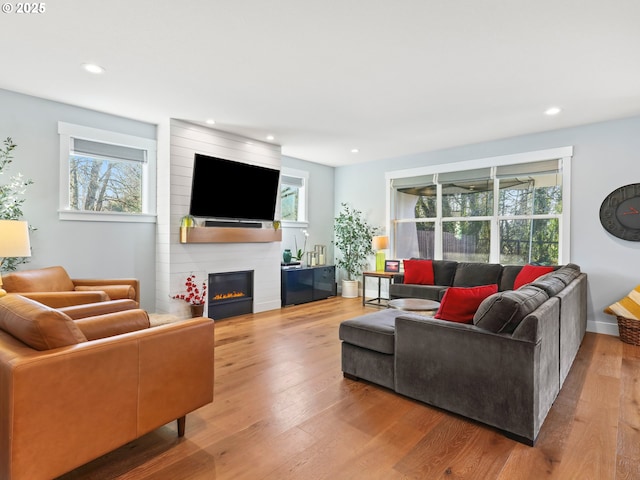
552, 111
210, 121
354, 150
270, 137
93, 68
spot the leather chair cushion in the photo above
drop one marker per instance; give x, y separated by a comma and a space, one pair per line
49, 279
37, 325
115, 292
100, 308
115, 323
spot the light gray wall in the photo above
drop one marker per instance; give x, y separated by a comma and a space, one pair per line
321, 213
85, 249
605, 157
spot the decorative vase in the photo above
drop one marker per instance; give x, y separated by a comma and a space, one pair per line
286, 256
197, 310
350, 288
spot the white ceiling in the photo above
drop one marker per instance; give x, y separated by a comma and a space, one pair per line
387, 77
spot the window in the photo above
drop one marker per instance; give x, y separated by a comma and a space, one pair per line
509, 210
106, 176
293, 196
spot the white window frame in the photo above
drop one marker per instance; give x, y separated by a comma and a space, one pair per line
303, 200
563, 154
67, 131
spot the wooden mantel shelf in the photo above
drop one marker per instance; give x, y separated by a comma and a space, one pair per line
229, 235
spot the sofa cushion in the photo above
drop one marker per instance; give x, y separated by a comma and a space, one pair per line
476, 274
550, 283
374, 331
419, 272
568, 273
508, 276
444, 271
37, 325
459, 304
529, 273
503, 311
407, 290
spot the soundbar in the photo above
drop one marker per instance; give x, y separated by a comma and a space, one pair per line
221, 223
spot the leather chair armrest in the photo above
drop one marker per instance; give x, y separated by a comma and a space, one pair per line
66, 299
92, 282
111, 324
93, 309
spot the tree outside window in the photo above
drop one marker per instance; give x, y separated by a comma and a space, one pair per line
106, 176
103, 185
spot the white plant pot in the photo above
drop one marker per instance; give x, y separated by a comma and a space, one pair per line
350, 288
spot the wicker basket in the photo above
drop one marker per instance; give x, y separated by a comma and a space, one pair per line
629, 330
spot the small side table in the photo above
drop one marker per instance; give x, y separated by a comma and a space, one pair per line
379, 301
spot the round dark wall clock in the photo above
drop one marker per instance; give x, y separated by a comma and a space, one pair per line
620, 212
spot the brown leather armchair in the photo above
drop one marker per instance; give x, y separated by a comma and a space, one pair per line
73, 390
53, 287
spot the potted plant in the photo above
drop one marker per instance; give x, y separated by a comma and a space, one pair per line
353, 239
195, 296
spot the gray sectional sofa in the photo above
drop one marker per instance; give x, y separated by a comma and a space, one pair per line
504, 370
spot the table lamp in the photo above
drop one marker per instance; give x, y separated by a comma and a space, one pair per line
379, 244
14, 242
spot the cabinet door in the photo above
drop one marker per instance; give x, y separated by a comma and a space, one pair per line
324, 282
297, 286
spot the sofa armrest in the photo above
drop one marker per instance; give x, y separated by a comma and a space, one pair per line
66, 299
98, 395
115, 323
98, 282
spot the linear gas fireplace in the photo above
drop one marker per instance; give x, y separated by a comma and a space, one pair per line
230, 294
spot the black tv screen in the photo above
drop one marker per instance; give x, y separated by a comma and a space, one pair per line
233, 190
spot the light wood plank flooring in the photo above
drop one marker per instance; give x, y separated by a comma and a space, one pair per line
282, 410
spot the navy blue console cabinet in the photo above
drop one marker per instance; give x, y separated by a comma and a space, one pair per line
306, 284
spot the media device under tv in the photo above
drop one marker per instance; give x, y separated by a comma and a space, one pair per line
234, 191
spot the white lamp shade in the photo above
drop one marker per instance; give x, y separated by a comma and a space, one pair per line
380, 242
14, 239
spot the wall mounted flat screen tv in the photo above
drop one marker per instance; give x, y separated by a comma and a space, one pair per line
232, 190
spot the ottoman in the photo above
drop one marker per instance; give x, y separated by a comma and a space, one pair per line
368, 346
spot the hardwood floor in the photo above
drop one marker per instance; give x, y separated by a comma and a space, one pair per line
282, 410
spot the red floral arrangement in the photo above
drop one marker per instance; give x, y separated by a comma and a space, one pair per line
194, 295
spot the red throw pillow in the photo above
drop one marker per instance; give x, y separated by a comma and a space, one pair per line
529, 273
459, 304
419, 272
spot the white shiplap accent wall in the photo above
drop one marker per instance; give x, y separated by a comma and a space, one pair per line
201, 259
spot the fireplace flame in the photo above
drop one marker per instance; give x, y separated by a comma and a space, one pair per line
223, 296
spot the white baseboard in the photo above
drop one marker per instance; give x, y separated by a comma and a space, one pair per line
606, 328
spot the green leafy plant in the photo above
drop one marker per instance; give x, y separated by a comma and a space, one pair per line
11, 197
353, 239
